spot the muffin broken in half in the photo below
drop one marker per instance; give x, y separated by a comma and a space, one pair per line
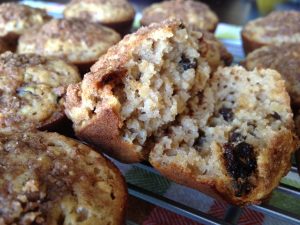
236, 141
138, 89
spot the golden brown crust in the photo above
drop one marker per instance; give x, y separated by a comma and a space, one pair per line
250, 45
196, 14
58, 179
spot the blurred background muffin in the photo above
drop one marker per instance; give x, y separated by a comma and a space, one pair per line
15, 19
116, 14
79, 42
32, 89
284, 58
198, 15
276, 28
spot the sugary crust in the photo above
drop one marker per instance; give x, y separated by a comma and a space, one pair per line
284, 58
32, 87
16, 18
117, 14
58, 179
276, 28
196, 14
79, 42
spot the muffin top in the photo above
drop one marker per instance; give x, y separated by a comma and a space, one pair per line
277, 27
32, 88
74, 40
16, 18
46, 178
103, 11
284, 58
196, 14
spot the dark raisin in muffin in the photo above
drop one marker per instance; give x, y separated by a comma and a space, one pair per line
234, 142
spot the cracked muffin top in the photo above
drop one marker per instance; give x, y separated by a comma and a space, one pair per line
198, 15
32, 88
74, 40
46, 178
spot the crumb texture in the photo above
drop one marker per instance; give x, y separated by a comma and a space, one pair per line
145, 80
49, 179
237, 138
285, 58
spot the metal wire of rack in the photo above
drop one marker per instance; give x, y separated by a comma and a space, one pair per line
232, 214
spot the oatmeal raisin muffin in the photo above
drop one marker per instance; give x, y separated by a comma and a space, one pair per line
46, 178
79, 42
116, 14
138, 89
194, 13
276, 28
15, 19
31, 90
235, 141
284, 58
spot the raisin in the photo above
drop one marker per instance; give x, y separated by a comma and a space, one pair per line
226, 113
199, 140
276, 116
236, 137
187, 64
240, 164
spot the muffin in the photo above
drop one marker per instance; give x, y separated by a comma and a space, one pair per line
284, 58
235, 141
196, 14
276, 28
15, 19
46, 178
214, 51
32, 89
116, 14
138, 89
79, 42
